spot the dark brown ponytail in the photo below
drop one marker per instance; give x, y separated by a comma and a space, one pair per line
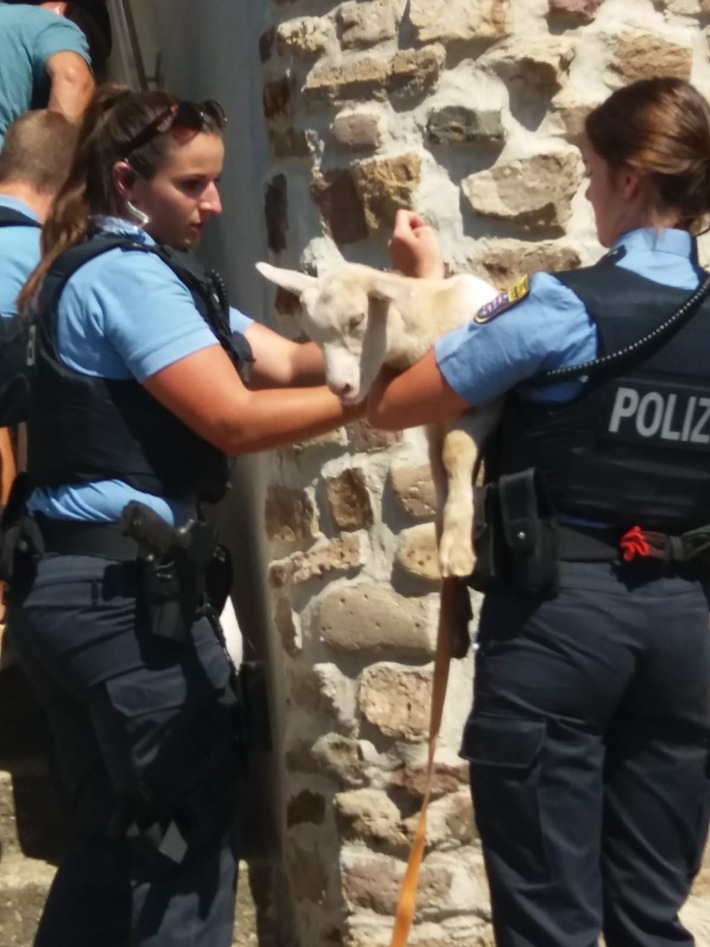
660, 127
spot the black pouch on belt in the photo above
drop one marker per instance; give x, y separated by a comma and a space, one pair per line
528, 523
515, 535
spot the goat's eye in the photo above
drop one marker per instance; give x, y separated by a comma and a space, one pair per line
356, 321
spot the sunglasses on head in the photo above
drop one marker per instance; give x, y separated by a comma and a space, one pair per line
193, 116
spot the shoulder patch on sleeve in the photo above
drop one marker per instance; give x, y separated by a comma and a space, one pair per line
503, 302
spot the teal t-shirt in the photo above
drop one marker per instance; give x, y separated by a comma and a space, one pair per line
29, 37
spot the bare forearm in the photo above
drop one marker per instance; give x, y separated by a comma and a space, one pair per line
276, 418
307, 364
420, 395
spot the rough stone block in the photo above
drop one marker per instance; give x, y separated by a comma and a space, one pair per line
368, 815
334, 755
357, 131
349, 500
410, 71
583, 10
340, 555
416, 71
459, 819
365, 437
386, 185
396, 700
417, 552
324, 689
370, 618
508, 260
450, 22
459, 124
641, 55
534, 193
540, 67
290, 517
373, 884
339, 204
307, 36
414, 489
445, 779
362, 25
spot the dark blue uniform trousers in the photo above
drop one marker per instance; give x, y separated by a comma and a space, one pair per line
588, 744
142, 721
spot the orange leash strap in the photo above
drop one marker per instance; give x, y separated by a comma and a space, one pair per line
408, 891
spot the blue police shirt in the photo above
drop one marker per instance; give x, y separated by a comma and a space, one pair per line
19, 255
29, 37
550, 327
124, 315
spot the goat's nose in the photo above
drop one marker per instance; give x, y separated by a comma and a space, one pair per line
341, 389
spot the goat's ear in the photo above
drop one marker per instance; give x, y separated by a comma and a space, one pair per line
391, 288
291, 280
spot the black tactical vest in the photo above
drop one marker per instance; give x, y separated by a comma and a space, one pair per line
634, 447
14, 393
83, 429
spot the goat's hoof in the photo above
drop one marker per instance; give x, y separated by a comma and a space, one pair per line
455, 559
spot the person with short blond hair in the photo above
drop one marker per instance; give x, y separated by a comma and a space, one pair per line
34, 162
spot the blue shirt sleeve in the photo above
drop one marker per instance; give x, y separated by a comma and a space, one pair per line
48, 34
549, 328
126, 314
238, 322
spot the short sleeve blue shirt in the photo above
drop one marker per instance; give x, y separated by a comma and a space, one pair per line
124, 315
550, 327
29, 37
19, 255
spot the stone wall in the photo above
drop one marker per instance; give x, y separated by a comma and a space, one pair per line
470, 112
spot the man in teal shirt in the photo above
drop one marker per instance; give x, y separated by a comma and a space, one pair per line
46, 52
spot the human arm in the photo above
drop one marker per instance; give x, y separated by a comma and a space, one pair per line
281, 362
414, 247
473, 365
419, 395
72, 84
205, 392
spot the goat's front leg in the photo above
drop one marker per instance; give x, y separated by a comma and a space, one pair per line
459, 455
461, 446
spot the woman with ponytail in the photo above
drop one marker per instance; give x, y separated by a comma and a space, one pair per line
146, 381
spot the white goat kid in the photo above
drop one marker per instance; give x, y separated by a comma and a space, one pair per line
362, 319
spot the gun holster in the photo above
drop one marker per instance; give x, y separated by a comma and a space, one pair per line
21, 542
515, 536
180, 567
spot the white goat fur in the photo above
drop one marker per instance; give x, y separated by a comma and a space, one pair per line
362, 319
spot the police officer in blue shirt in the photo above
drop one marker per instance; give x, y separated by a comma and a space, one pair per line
588, 737
34, 162
48, 55
140, 393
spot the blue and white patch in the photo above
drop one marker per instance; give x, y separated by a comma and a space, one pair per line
503, 302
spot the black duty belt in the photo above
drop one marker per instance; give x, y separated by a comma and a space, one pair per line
580, 543
70, 538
